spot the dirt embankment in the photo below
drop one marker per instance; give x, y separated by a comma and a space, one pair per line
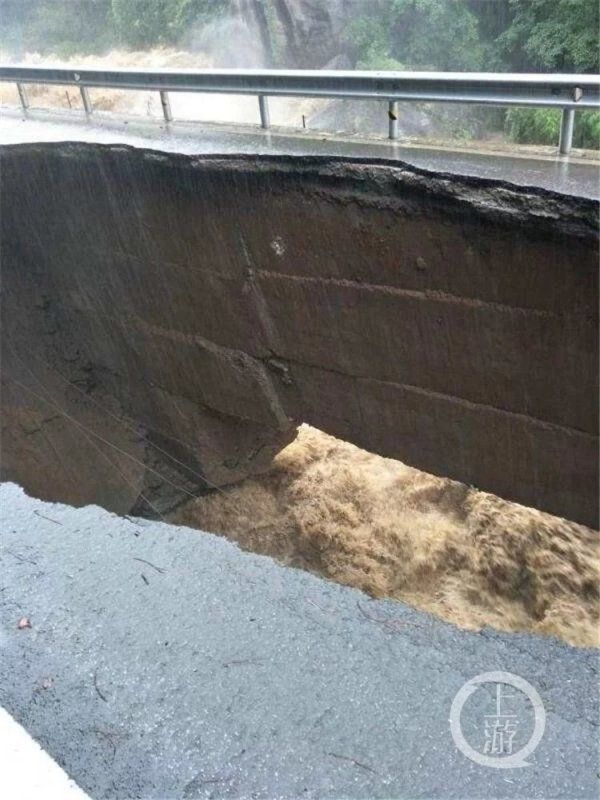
393, 531
217, 302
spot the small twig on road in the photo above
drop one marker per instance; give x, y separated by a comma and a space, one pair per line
150, 564
316, 605
19, 557
392, 623
145, 579
43, 516
110, 737
100, 694
237, 662
354, 761
134, 522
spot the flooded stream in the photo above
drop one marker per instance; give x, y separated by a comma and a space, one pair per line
466, 556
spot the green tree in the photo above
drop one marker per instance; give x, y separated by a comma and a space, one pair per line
370, 37
541, 126
419, 34
143, 23
553, 35
61, 28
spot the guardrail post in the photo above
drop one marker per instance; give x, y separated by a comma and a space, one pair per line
85, 97
265, 121
23, 96
393, 119
566, 131
166, 106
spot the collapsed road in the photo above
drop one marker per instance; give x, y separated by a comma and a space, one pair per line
212, 303
179, 315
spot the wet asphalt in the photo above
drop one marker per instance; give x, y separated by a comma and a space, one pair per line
575, 176
163, 662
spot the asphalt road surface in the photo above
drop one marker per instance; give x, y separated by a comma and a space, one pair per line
569, 176
162, 662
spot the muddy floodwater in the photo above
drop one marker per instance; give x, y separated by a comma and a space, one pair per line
378, 525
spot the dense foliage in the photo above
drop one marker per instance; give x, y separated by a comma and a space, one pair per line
139, 23
46, 26
504, 35
556, 35
499, 35
416, 34
75, 26
540, 126
462, 35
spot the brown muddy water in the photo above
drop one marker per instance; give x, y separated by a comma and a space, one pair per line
185, 105
378, 525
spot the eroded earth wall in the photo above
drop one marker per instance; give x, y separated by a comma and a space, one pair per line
168, 320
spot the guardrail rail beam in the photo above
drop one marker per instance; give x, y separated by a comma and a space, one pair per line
567, 92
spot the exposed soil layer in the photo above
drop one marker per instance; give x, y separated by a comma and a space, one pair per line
373, 523
168, 320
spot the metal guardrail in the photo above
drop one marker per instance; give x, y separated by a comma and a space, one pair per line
568, 92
